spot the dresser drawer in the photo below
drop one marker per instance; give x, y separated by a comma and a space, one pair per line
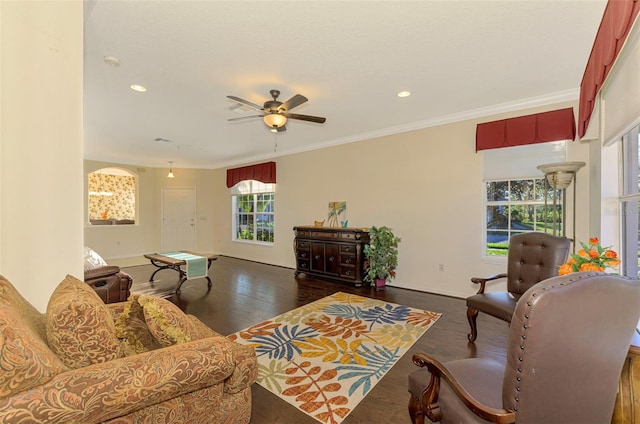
348, 272
303, 233
303, 265
349, 249
324, 235
347, 259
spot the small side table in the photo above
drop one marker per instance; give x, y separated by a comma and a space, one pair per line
627, 409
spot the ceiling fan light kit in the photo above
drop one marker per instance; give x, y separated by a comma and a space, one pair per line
275, 113
274, 120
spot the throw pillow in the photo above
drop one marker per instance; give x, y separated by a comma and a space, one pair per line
80, 327
25, 359
132, 330
168, 324
92, 260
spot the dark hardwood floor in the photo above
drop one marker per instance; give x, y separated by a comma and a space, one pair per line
245, 293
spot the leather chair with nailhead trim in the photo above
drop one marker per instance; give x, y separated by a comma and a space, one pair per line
532, 257
567, 344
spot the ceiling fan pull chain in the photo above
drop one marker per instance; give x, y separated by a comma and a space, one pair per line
275, 142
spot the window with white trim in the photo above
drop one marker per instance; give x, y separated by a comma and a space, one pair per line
515, 207
253, 211
514, 194
630, 203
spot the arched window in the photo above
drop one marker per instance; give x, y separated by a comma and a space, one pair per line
112, 196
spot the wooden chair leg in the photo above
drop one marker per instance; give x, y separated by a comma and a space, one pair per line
415, 411
472, 314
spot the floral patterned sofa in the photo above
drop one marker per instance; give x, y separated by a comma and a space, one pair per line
141, 361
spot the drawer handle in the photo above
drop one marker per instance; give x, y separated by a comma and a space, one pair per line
348, 261
303, 265
331, 259
347, 273
316, 257
347, 249
304, 255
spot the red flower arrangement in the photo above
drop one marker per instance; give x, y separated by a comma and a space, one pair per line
591, 257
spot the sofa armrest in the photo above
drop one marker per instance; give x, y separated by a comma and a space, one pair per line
108, 390
101, 272
245, 372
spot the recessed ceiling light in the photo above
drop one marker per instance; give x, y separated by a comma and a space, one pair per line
403, 93
112, 61
139, 88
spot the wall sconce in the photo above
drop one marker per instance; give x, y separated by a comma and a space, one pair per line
170, 174
558, 176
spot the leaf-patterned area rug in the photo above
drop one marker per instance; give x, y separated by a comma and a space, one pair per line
326, 356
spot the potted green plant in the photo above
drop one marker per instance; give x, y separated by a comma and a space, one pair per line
381, 256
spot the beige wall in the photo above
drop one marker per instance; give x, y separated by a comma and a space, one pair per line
125, 244
41, 145
425, 184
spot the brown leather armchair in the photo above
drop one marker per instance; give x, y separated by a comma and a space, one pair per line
111, 284
532, 257
567, 344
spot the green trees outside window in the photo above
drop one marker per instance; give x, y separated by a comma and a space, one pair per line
514, 207
254, 213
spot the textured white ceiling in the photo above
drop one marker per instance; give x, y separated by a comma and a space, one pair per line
460, 59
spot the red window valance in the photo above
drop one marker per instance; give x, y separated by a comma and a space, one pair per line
530, 129
617, 20
265, 172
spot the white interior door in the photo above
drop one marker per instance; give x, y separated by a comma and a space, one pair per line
178, 219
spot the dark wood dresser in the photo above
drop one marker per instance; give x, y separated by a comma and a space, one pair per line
331, 253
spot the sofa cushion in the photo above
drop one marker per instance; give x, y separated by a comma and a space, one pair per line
80, 327
25, 359
168, 324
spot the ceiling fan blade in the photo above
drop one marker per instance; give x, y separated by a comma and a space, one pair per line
240, 118
317, 119
296, 100
245, 102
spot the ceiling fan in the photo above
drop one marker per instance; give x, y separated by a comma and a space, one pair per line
276, 113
